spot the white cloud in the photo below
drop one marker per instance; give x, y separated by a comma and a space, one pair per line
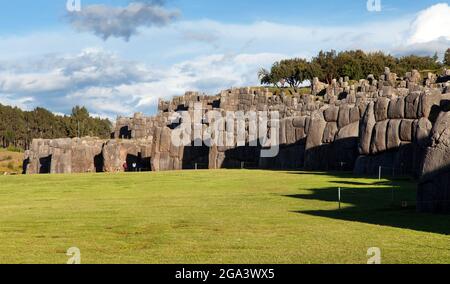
117, 77
431, 24
24, 103
108, 85
108, 21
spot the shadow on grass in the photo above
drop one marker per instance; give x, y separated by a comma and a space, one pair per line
389, 204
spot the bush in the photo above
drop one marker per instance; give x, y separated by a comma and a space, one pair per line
14, 149
10, 165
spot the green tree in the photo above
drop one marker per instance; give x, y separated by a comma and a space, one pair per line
18, 128
327, 63
447, 58
291, 71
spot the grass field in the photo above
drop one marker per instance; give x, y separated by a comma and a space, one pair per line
215, 217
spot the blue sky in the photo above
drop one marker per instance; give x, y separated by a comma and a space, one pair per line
122, 56
25, 15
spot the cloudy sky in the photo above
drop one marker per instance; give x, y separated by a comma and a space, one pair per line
117, 56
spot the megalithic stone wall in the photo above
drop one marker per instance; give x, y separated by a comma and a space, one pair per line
393, 132
64, 156
339, 126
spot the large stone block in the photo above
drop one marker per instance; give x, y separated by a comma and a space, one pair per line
355, 116
349, 131
299, 122
317, 127
412, 105
290, 132
434, 188
406, 130
365, 130
422, 131
378, 143
393, 134
344, 116
396, 108
428, 102
331, 114
330, 132
381, 109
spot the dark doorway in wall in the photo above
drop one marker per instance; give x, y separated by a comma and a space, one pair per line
196, 157
131, 161
216, 104
98, 163
182, 108
45, 165
26, 162
138, 163
242, 157
125, 133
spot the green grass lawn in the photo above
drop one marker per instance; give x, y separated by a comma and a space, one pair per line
215, 217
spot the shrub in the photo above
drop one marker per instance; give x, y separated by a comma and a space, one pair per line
14, 149
10, 165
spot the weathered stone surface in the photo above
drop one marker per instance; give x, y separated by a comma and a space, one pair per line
314, 152
283, 139
299, 122
393, 134
59, 156
290, 132
349, 131
396, 108
406, 130
330, 132
378, 143
428, 102
412, 105
437, 156
317, 125
300, 134
381, 109
365, 130
331, 114
344, 115
434, 188
423, 128
355, 115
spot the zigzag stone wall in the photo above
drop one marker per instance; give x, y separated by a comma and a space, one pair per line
391, 122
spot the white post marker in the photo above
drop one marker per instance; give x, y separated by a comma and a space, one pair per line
379, 173
339, 197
